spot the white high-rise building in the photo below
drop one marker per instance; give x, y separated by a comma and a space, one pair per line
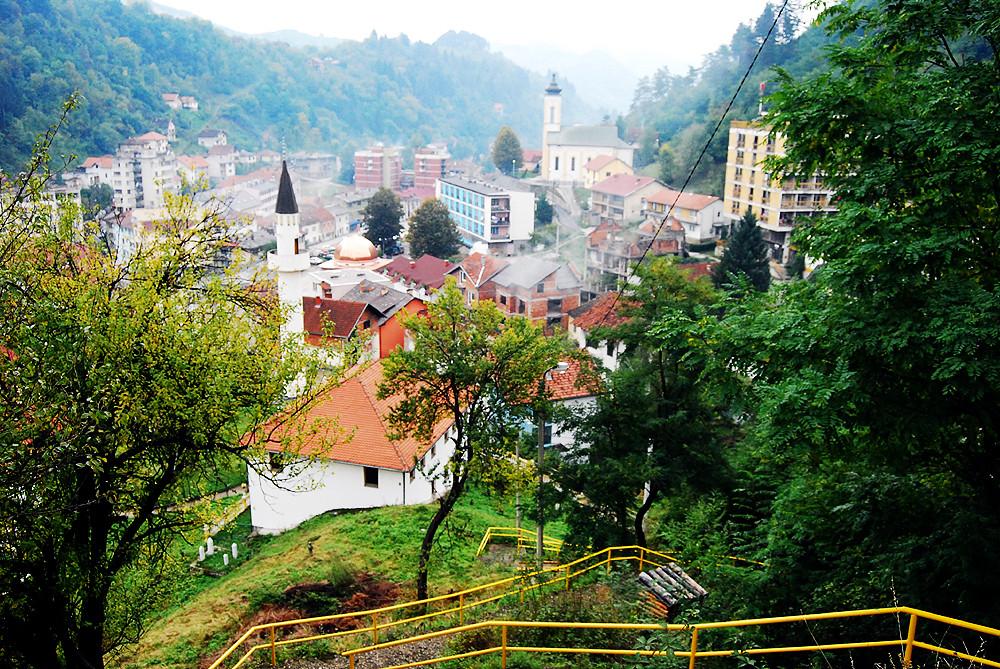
144, 169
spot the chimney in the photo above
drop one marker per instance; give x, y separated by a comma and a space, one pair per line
413, 263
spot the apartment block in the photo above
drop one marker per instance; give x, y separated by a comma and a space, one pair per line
430, 163
778, 205
378, 167
144, 169
501, 216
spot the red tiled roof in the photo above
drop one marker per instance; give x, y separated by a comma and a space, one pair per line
598, 312
694, 201
262, 174
422, 193
104, 162
341, 314
696, 270
622, 184
573, 383
193, 162
597, 163
425, 271
151, 136
482, 267
348, 424
221, 150
531, 155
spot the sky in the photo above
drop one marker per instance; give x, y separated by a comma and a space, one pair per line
641, 34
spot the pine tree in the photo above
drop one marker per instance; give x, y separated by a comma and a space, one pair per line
507, 150
746, 254
543, 211
432, 231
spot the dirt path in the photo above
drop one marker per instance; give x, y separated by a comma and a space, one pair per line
387, 657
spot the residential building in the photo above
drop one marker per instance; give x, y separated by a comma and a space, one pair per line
530, 160
602, 311
144, 169
502, 216
613, 249
378, 166
778, 205
565, 150
699, 215
618, 199
389, 304
318, 469
430, 163
97, 170
600, 168
210, 137
544, 291
576, 388
221, 161
192, 168
189, 102
172, 100
421, 277
475, 278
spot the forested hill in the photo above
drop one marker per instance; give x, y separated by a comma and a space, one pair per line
682, 109
121, 58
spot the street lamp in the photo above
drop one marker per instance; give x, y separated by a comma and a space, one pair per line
513, 167
559, 367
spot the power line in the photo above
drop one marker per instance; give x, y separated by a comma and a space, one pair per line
704, 149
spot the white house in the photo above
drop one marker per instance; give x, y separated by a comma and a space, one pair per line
591, 315
339, 457
574, 389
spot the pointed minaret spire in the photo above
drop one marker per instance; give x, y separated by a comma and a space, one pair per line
286, 196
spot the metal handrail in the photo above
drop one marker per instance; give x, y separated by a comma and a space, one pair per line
461, 602
524, 538
906, 645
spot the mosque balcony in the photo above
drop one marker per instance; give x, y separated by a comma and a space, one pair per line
288, 262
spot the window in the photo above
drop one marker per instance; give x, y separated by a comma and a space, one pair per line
611, 349
520, 308
540, 288
503, 299
371, 477
413, 474
557, 164
572, 163
552, 116
434, 448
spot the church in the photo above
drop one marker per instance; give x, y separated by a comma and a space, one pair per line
565, 151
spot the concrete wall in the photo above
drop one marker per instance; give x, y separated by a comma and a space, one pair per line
300, 492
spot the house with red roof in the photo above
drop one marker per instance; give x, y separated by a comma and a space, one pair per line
602, 167
574, 388
421, 277
337, 455
475, 275
614, 249
605, 310
97, 170
618, 198
699, 215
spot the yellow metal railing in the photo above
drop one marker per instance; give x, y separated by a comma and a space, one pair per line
906, 646
455, 604
525, 539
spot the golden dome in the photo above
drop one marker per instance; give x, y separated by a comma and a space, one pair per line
357, 248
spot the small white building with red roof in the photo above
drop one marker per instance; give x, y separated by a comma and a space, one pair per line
338, 456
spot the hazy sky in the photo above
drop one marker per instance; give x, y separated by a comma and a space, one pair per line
642, 34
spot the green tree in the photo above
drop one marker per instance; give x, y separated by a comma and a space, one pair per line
96, 198
543, 211
507, 151
657, 425
874, 385
124, 383
478, 369
668, 166
745, 256
381, 218
432, 231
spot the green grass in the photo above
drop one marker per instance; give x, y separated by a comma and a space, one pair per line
211, 610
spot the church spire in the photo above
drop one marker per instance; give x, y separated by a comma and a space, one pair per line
286, 196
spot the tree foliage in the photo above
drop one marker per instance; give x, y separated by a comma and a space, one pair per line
478, 369
656, 428
432, 231
745, 256
381, 218
507, 150
124, 383
873, 387
543, 211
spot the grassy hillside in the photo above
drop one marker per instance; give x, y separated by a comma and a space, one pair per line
121, 58
211, 610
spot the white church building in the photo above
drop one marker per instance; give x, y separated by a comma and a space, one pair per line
338, 455
566, 150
